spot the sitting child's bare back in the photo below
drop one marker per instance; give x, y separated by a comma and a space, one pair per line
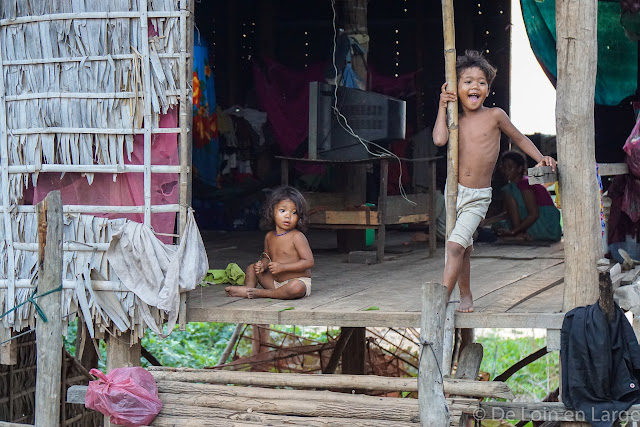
284, 268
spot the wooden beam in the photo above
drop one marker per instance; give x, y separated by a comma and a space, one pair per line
405, 319
432, 405
469, 366
608, 169
49, 330
462, 387
542, 175
577, 59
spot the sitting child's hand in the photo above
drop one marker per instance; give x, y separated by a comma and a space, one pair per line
258, 267
548, 161
275, 267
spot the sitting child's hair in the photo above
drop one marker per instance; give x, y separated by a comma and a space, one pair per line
515, 157
283, 193
473, 58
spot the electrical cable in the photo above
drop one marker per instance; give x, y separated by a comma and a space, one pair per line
347, 127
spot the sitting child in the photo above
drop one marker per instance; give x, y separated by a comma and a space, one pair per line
530, 210
284, 268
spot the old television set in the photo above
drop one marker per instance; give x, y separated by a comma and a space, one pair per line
372, 116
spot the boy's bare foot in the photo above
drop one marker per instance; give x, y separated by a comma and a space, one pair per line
251, 293
238, 291
466, 304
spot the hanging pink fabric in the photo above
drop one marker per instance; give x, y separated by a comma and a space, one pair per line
283, 93
128, 189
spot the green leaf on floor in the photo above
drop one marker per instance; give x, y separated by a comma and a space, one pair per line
288, 308
372, 308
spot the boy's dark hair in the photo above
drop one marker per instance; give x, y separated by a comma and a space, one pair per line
279, 194
473, 58
515, 157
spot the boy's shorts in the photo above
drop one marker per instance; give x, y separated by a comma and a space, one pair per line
472, 207
305, 280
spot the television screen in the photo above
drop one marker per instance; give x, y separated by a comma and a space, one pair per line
371, 116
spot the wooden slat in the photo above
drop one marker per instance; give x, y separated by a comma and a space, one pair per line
608, 169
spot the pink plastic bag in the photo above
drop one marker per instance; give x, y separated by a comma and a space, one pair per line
128, 395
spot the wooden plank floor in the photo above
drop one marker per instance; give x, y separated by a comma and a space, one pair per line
514, 285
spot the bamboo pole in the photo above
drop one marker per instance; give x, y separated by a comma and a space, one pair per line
186, 120
96, 285
451, 196
98, 209
433, 407
146, 72
81, 95
122, 57
87, 15
109, 131
49, 332
452, 111
114, 169
6, 203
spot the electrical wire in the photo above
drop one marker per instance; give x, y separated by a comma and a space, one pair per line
347, 127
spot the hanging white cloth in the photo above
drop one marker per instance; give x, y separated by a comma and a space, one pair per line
155, 272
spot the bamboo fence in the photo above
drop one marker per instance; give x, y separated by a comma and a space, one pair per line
79, 81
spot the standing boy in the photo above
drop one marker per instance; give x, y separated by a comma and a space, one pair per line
479, 133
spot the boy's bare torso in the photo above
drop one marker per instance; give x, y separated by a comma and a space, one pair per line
282, 250
478, 147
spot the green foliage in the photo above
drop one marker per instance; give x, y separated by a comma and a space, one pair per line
534, 381
200, 345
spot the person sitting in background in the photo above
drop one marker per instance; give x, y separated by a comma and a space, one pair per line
531, 214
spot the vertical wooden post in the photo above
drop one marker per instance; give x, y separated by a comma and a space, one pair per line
449, 33
49, 333
186, 122
354, 354
576, 31
121, 353
284, 171
432, 208
577, 59
432, 404
382, 207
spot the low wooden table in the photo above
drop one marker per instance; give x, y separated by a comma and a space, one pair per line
390, 209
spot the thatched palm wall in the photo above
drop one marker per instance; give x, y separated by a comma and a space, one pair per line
80, 78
